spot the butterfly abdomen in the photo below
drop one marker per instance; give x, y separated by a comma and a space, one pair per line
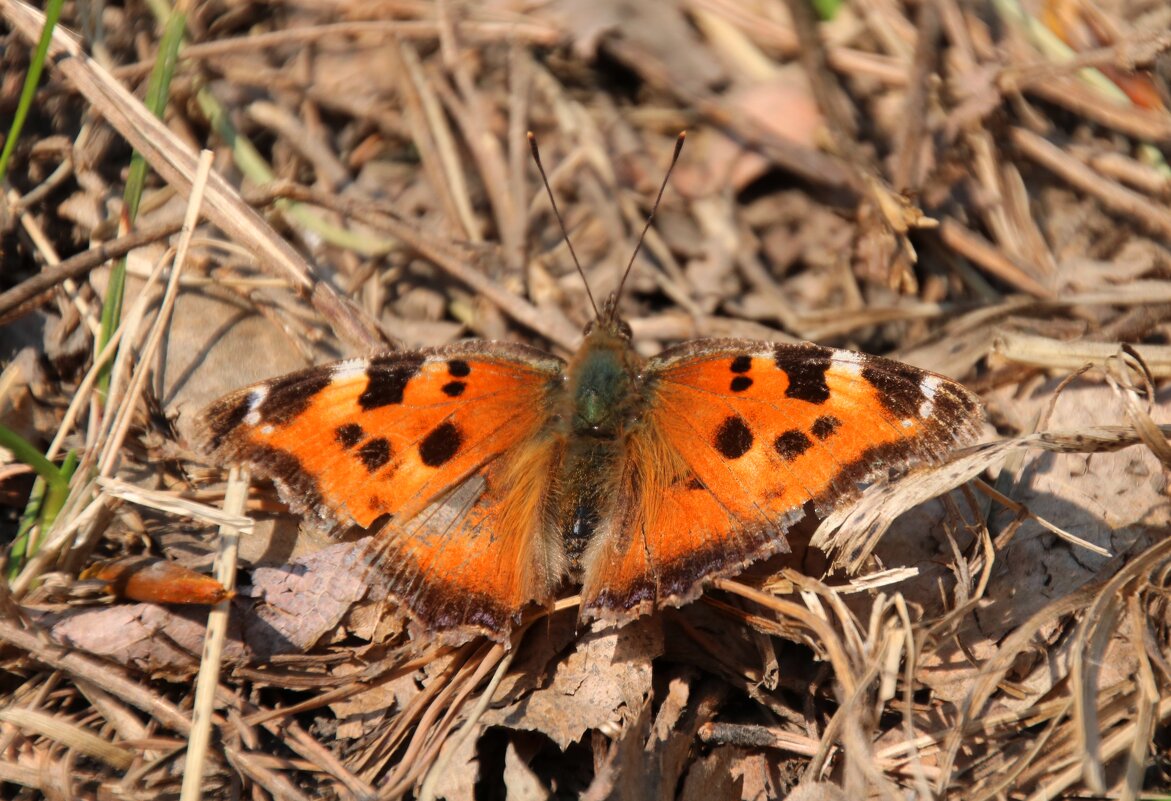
587, 496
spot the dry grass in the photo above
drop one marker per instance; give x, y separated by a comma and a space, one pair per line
962, 186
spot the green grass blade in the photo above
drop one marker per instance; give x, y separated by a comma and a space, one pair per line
24, 452
20, 550
58, 492
158, 89
44, 504
49, 494
35, 67
826, 10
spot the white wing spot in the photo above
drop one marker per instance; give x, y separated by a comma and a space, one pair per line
255, 398
849, 361
928, 386
908, 423
349, 369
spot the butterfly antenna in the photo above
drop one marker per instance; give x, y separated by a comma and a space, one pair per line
561, 222
650, 217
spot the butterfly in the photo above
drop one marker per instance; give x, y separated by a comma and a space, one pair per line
499, 474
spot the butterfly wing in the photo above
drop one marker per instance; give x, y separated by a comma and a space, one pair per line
738, 437
450, 443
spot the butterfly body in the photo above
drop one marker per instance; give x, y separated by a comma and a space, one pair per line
604, 403
494, 475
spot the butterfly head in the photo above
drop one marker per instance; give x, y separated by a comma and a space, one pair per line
609, 322
603, 374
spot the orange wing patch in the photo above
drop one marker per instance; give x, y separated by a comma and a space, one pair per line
477, 556
366, 437
756, 433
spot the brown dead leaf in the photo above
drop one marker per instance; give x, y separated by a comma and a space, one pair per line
457, 781
620, 772
714, 777
816, 791
783, 106
1115, 500
22, 375
601, 684
660, 30
651, 757
153, 639
364, 712
297, 605
354, 74
537, 653
520, 782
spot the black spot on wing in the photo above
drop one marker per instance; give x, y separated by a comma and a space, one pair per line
741, 364
288, 397
740, 383
438, 447
297, 487
453, 389
374, 453
222, 420
954, 408
824, 426
733, 439
806, 373
387, 378
899, 386
458, 368
792, 444
349, 435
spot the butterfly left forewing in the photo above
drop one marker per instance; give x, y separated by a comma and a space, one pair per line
362, 438
743, 435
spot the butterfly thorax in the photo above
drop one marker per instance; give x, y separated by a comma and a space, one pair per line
605, 401
602, 383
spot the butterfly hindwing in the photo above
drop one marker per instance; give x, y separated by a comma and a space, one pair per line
474, 558
743, 435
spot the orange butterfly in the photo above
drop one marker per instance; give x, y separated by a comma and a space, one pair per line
502, 473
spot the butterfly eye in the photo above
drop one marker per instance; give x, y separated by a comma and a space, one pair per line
624, 330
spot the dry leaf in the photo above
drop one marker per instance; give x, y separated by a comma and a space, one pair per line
601, 684
783, 106
660, 30
520, 783
714, 777
1116, 500
152, 639
296, 605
